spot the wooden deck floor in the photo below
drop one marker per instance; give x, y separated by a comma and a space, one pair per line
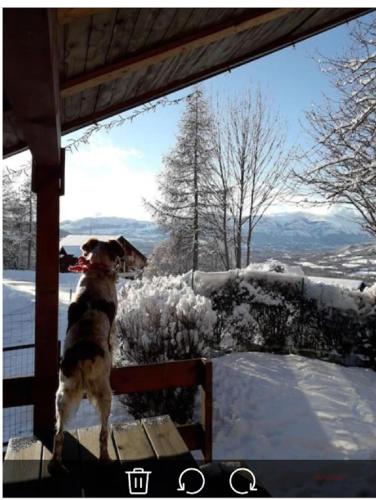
153, 444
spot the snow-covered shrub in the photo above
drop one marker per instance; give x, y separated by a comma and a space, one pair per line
159, 320
163, 319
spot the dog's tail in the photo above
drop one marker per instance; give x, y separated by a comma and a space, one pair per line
83, 350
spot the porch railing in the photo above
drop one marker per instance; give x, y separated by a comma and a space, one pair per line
21, 391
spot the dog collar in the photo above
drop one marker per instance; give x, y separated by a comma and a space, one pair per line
84, 265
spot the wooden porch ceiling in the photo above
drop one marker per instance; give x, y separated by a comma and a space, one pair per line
110, 60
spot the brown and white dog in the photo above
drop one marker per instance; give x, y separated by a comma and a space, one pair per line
86, 364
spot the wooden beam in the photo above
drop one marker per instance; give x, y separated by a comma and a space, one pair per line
193, 435
65, 16
199, 76
143, 378
18, 391
31, 81
15, 149
7, 108
251, 55
212, 34
126, 380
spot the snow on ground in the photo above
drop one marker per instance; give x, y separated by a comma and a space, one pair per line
270, 407
315, 266
19, 303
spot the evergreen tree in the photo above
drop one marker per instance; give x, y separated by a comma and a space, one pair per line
183, 187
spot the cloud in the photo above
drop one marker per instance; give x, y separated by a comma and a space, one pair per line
103, 178
292, 207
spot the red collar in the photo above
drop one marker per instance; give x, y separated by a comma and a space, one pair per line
83, 266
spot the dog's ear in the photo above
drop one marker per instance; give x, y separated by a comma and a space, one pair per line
116, 248
89, 245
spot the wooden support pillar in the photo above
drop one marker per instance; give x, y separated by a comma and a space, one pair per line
31, 81
47, 298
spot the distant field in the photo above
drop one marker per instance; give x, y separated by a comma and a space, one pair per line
353, 261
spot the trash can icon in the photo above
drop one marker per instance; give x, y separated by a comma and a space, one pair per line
138, 481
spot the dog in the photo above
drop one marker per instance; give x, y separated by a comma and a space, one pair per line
87, 358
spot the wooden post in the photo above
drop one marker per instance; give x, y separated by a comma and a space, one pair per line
31, 81
207, 409
46, 306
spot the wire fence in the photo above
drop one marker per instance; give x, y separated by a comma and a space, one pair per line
18, 327
18, 361
17, 422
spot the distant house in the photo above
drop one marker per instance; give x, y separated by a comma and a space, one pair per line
70, 250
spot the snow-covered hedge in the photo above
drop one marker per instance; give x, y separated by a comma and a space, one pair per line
247, 309
158, 320
281, 312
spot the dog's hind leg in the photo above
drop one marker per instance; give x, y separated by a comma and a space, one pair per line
102, 396
67, 400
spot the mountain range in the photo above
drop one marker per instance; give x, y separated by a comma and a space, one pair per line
296, 231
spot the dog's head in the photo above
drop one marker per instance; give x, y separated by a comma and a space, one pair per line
106, 253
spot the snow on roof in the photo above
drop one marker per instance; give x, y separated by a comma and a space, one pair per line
73, 242
76, 240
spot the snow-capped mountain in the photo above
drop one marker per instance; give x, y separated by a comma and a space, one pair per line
290, 231
306, 231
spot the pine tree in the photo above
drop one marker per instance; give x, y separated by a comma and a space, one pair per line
183, 187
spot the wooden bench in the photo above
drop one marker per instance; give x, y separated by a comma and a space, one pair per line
154, 444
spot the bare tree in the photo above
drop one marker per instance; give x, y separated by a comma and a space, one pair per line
269, 164
19, 217
251, 167
218, 184
341, 166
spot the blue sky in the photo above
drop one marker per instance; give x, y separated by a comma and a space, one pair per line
126, 160
290, 78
